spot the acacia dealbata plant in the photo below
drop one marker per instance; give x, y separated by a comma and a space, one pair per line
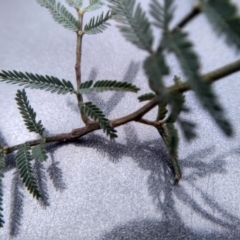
136, 26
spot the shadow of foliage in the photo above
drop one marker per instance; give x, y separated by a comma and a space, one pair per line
152, 156
54, 171
159, 230
56, 175
40, 175
17, 190
17, 200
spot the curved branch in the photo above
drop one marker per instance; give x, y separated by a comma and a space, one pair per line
135, 116
209, 77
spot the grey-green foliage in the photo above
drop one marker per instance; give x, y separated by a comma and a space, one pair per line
162, 111
172, 141
60, 14
93, 5
35, 81
162, 106
169, 135
178, 43
162, 14
146, 97
2, 166
98, 25
28, 114
39, 152
155, 69
135, 25
96, 114
106, 85
23, 161
74, 3
223, 17
178, 105
176, 100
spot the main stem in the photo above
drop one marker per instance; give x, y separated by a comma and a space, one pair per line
78, 63
135, 116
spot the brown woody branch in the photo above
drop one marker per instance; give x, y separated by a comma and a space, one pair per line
189, 17
137, 115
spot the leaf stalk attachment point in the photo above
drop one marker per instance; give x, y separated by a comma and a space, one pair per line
78, 66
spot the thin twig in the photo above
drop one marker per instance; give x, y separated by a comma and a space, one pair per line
78, 64
79, 51
189, 17
183, 22
148, 122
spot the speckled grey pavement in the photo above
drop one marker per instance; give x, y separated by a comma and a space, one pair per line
97, 189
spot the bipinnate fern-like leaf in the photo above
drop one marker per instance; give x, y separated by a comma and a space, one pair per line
135, 25
162, 111
2, 166
28, 114
162, 14
155, 69
23, 158
39, 152
74, 3
60, 14
224, 18
29, 80
169, 135
93, 5
98, 26
146, 97
96, 114
176, 100
172, 141
178, 43
107, 85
